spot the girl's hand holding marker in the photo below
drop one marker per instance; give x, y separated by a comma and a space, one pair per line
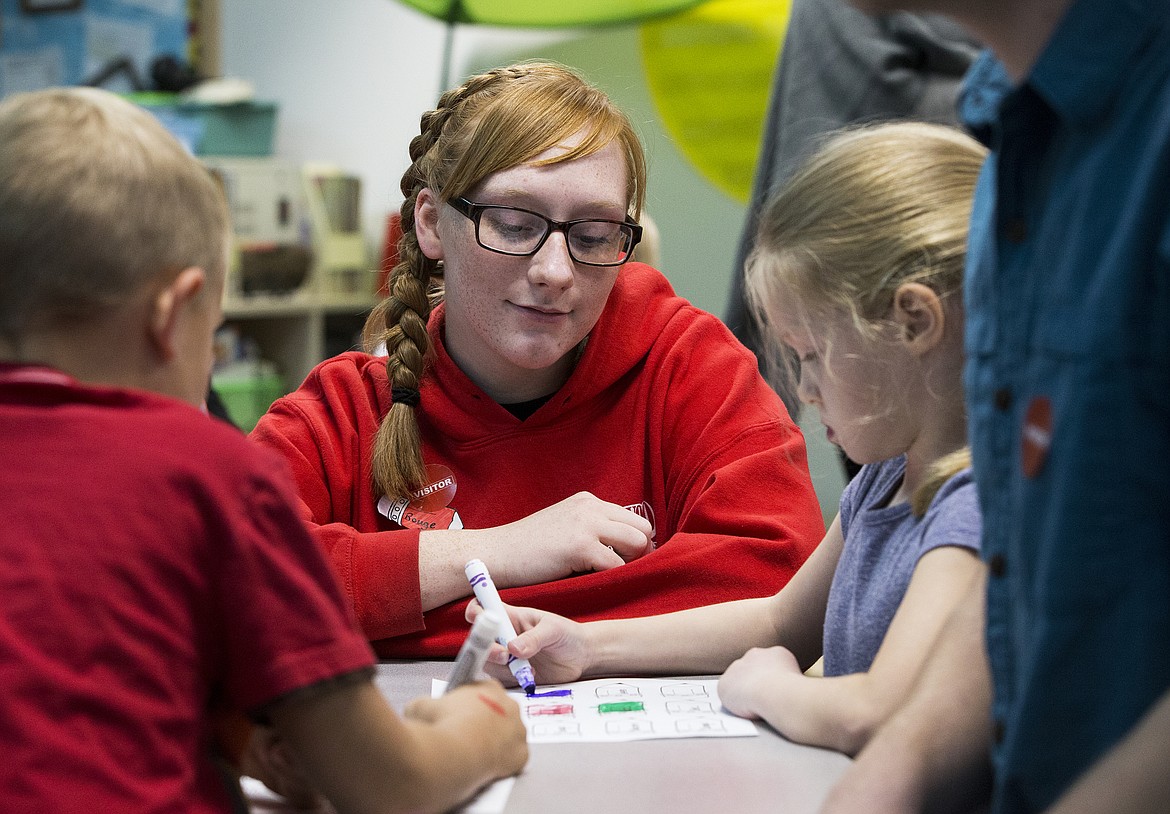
487, 596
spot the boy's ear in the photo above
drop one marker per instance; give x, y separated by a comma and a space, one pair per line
427, 207
920, 314
168, 307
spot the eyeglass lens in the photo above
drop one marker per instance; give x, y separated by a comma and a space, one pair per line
515, 231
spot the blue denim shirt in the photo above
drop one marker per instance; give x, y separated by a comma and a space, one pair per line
1068, 387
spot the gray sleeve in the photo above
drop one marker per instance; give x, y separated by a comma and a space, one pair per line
953, 517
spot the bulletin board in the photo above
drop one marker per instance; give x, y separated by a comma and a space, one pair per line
71, 42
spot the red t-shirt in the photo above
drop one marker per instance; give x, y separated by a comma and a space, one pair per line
151, 569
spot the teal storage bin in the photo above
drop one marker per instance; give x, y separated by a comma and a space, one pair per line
245, 128
239, 129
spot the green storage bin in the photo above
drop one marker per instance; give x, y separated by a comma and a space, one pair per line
249, 397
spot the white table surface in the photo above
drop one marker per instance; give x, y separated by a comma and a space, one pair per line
689, 776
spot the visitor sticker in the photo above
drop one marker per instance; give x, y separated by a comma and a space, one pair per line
429, 506
437, 492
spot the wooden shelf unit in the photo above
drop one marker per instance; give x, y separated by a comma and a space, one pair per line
295, 331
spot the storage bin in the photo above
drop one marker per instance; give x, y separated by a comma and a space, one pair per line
247, 398
242, 128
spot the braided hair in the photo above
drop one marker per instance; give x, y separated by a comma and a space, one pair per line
495, 121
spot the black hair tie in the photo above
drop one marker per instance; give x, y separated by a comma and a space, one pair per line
404, 395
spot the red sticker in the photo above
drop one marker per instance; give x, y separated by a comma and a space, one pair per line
437, 492
645, 510
405, 515
1037, 436
444, 518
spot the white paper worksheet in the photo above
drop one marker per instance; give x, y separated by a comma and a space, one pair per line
626, 709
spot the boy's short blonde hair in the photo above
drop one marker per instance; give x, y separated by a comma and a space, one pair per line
96, 199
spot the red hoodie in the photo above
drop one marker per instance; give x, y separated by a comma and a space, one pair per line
664, 408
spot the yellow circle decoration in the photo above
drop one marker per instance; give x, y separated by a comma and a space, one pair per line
709, 71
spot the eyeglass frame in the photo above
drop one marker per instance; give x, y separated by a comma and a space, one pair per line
473, 211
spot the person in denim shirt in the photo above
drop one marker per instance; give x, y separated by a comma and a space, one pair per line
1068, 388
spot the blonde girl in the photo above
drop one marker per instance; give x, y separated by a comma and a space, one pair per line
857, 273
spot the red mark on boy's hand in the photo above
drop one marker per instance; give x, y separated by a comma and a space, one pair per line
495, 706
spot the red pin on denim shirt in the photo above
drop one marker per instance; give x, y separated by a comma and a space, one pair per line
1036, 437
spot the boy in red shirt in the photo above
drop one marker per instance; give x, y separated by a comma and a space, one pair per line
152, 566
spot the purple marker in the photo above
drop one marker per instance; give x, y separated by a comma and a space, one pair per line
489, 598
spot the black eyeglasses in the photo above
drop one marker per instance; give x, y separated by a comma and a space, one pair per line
520, 233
